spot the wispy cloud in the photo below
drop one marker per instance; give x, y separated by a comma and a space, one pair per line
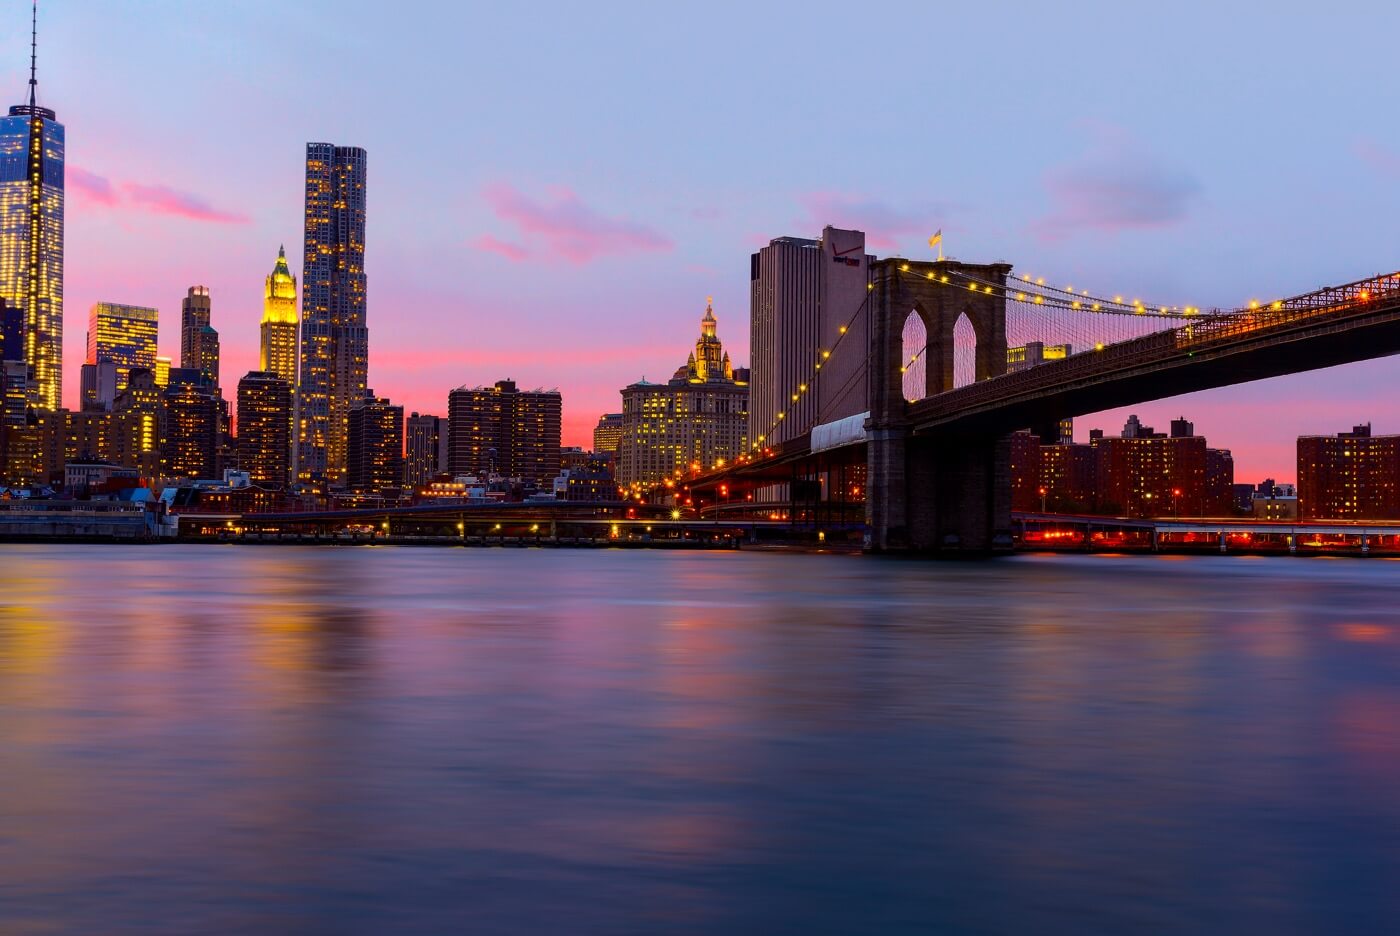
1116, 186
152, 199
1383, 160
884, 224
158, 199
493, 244
90, 186
562, 226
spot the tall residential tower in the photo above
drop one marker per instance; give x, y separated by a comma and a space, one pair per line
31, 236
334, 338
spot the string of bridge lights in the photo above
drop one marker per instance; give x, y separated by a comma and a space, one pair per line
806, 385
1037, 292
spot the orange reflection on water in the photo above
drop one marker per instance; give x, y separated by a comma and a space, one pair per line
1364, 633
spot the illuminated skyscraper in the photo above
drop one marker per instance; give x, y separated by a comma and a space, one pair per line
334, 337
278, 354
264, 421
31, 237
123, 334
199, 341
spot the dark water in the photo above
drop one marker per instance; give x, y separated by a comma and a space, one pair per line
357, 740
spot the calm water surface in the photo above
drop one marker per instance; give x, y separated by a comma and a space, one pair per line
376, 740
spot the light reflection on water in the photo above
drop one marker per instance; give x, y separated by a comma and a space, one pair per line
269, 739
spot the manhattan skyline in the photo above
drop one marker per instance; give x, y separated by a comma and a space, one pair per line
574, 249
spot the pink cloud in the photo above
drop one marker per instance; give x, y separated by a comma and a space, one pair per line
563, 226
154, 199
1379, 158
90, 186
1116, 187
493, 244
159, 199
882, 223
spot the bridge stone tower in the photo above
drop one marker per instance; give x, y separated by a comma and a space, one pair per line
937, 491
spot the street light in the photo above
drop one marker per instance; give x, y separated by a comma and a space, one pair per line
1043, 492
1176, 492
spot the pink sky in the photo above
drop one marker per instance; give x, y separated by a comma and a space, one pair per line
554, 205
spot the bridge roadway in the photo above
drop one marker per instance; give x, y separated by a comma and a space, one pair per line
1337, 325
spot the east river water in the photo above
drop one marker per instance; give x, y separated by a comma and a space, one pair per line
245, 739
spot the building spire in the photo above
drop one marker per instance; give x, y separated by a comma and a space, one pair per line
33, 53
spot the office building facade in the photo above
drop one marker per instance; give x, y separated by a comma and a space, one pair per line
608, 433
334, 366
136, 424
374, 446
506, 431
806, 298
699, 418
1350, 476
190, 430
264, 428
124, 335
425, 451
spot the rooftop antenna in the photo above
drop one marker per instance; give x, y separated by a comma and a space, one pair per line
33, 52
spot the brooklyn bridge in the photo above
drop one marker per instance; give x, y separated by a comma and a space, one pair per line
917, 434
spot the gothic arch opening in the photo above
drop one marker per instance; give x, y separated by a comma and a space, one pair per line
915, 376
964, 352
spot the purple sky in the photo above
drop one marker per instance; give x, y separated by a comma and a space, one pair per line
554, 191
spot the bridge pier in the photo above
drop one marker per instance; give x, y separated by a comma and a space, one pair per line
885, 506
934, 494
942, 491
